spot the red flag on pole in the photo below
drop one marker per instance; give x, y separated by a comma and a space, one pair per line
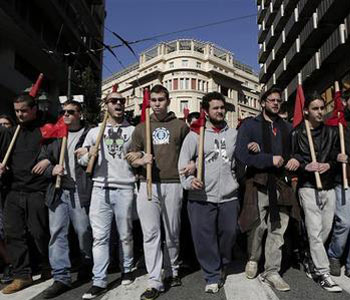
298, 106
186, 112
195, 126
338, 112
145, 103
57, 130
35, 88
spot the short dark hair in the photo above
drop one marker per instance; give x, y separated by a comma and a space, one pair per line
192, 115
8, 118
158, 88
29, 100
309, 98
75, 103
212, 96
272, 90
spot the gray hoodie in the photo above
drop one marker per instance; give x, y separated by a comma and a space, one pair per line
111, 169
220, 184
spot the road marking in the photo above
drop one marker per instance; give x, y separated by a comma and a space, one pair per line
29, 292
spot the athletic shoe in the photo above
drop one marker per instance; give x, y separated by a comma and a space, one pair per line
17, 285
94, 292
251, 269
275, 281
56, 289
173, 281
212, 288
7, 276
334, 266
327, 283
150, 294
128, 278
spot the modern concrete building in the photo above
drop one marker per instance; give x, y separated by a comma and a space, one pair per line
44, 36
306, 37
189, 69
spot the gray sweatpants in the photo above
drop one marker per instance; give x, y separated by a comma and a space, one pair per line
319, 208
165, 206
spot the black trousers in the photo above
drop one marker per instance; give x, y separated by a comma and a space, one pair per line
25, 213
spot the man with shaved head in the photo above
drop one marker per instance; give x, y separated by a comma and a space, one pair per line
112, 193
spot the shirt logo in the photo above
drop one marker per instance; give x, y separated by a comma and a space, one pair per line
115, 140
161, 136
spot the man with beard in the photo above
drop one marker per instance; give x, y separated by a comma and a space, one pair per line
25, 210
112, 194
212, 203
263, 145
68, 204
341, 230
318, 204
167, 134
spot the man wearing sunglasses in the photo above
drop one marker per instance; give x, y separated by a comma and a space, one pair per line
112, 194
263, 145
68, 204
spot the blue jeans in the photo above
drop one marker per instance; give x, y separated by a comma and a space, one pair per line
341, 229
69, 210
106, 202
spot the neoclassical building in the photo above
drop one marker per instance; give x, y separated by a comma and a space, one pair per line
189, 69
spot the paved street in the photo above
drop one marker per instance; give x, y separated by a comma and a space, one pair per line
237, 287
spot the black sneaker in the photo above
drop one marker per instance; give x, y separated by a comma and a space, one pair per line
7, 276
94, 292
128, 278
334, 266
327, 283
173, 281
150, 294
56, 289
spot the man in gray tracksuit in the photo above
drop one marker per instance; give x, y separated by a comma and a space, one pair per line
213, 206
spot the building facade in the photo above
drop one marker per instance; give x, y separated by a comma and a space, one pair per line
305, 39
189, 69
45, 36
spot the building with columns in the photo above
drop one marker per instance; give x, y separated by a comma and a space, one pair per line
189, 69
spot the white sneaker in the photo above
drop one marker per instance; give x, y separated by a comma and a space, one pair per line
212, 288
327, 283
275, 281
251, 269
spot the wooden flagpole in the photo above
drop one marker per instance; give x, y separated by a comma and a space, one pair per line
61, 160
200, 153
148, 151
12, 143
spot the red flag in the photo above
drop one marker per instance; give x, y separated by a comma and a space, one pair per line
115, 88
338, 112
186, 112
195, 126
145, 104
35, 88
298, 106
57, 130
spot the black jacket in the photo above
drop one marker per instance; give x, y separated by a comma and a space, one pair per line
83, 182
326, 142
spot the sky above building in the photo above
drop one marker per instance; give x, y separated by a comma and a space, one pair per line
235, 30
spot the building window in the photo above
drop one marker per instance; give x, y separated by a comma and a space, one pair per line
176, 84
193, 83
183, 104
187, 83
198, 65
182, 83
185, 63
171, 65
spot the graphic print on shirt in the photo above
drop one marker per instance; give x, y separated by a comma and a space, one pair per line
161, 136
115, 140
219, 149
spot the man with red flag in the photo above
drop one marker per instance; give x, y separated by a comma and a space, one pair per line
341, 229
263, 145
167, 133
25, 210
69, 203
212, 201
112, 193
318, 204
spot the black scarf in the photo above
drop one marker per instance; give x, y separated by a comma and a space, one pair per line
267, 132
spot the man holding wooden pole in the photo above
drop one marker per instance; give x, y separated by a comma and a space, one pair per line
113, 192
212, 195
318, 204
167, 134
25, 207
341, 230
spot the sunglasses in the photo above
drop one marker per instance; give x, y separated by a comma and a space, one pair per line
68, 111
114, 101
